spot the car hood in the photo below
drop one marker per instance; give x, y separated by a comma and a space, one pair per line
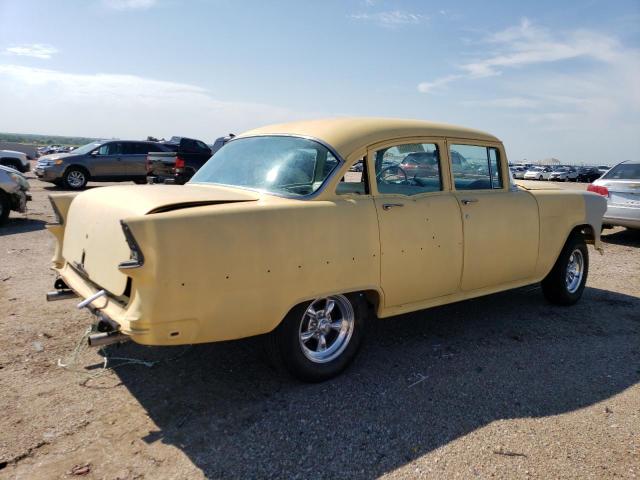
57, 156
13, 152
94, 242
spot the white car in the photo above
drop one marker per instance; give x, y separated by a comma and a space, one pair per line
563, 174
538, 173
518, 172
15, 160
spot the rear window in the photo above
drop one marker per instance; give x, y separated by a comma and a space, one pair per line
624, 171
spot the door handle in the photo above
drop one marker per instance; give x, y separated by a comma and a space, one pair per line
467, 201
389, 206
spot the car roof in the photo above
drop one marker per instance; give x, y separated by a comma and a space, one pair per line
348, 134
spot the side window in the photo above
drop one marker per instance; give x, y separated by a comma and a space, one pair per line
355, 180
143, 148
494, 168
104, 149
202, 146
112, 148
129, 148
408, 169
475, 167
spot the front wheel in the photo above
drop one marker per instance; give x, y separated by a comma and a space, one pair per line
75, 178
317, 340
565, 283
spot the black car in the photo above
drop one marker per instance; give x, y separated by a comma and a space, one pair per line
588, 174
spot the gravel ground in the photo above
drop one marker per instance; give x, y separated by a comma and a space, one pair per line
505, 386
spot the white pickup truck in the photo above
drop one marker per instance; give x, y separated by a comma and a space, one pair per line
13, 159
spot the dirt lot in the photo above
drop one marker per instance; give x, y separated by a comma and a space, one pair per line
505, 386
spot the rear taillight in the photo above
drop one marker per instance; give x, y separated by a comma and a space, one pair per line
179, 164
599, 189
136, 259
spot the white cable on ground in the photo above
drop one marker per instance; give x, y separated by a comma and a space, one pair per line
71, 362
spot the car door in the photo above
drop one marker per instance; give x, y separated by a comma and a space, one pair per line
500, 221
106, 161
419, 222
134, 158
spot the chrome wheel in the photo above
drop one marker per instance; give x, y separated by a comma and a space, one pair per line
326, 328
76, 179
575, 271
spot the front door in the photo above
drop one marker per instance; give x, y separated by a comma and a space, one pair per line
501, 224
107, 161
419, 222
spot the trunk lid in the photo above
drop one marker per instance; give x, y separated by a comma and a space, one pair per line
94, 243
624, 193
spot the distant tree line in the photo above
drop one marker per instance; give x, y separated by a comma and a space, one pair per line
29, 138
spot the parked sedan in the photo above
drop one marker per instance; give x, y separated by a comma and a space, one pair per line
518, 172
280, 243
621, 187
14, 192
588, 174
538, 173
563, 174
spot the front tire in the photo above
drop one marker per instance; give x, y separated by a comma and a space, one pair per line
75, 178
317, 340
566, 281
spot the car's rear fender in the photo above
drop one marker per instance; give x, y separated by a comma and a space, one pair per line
235, 270
562, 214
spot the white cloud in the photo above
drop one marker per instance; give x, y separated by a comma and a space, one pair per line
391, 19
129, 4
114, 105
508, 102
526, 44
428, 87
35, 50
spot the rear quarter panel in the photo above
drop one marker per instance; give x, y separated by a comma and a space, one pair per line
232, 271
560, 213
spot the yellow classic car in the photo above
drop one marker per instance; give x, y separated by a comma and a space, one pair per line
276, 235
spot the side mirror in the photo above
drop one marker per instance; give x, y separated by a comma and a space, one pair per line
95, 153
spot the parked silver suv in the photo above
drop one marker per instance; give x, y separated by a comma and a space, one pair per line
101, 161
14, 192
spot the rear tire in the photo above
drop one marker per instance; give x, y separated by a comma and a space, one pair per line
315, 347
5, 208
566, 281
75, 178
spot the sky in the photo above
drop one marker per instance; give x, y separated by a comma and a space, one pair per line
550, 79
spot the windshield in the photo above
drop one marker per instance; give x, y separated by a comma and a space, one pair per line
86, 148
276, 164
624, 171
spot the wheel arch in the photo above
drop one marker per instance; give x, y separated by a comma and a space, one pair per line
78, 167
372, 296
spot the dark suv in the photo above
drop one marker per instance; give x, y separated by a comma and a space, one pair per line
102, 161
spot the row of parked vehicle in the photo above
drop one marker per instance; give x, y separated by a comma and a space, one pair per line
171, 161
558, 173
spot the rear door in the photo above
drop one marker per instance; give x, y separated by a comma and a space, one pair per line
500, 222
135, 157
419, 222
